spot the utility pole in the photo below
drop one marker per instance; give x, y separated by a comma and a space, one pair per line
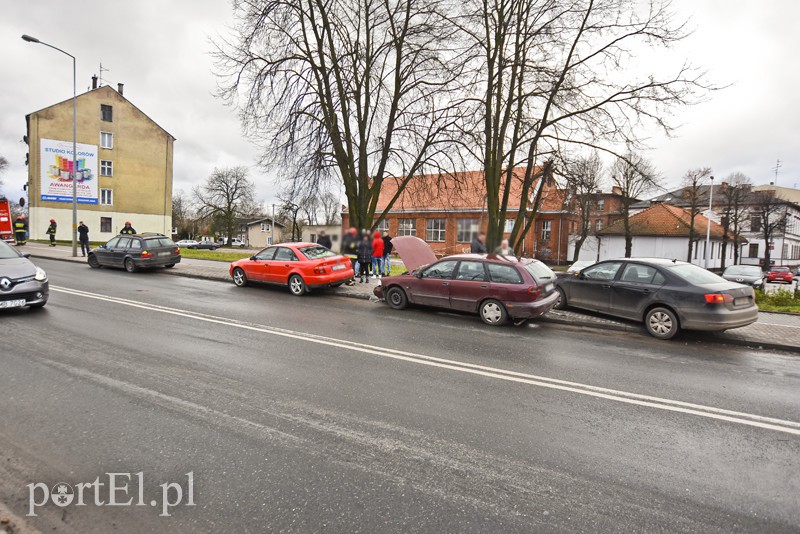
708, 225
777, 168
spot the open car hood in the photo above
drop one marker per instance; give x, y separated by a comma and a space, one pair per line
413, 251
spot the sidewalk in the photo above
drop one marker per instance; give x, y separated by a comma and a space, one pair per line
776, 331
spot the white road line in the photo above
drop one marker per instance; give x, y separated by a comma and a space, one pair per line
769, 423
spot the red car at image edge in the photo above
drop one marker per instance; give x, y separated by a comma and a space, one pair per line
299, 266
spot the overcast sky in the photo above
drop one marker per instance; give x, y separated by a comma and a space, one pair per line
160, 50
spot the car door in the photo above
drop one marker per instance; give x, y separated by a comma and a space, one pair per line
634, 289
103, 253
469, 286
281, 265
118, 252
432, 288
591, 290
258, 267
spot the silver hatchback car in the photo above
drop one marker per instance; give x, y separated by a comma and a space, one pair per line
21, 282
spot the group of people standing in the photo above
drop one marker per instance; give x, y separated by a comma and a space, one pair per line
478, 246
21, 232
370, 253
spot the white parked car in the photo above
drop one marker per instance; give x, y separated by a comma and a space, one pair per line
187, 243
579, 266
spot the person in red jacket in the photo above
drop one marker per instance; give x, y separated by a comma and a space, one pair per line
377, 254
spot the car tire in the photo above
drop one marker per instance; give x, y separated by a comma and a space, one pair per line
661, 323
170, 266
561, 303
93, 262
337, 284
130, 266
297, 285
493, 313
396, 298
239, 278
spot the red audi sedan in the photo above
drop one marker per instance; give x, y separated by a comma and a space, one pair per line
300, 266
780, 274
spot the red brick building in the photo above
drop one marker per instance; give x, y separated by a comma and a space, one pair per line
447, 211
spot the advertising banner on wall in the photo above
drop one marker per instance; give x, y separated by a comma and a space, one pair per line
56, 171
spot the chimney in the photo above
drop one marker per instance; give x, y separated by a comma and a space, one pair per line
120, 87
94, 82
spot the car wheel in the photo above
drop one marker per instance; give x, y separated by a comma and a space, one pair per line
296, 285
493, 313
170, 266
337, 284
561, 303
661, 323
93, 262
396, 298
239, 278
130, 266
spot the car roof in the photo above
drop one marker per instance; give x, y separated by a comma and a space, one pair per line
653, 261
297, 244
490, 257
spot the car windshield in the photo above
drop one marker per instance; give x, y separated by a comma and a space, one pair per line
743, 270
157, 242
696, 275
316, 252
540, 271
7, 252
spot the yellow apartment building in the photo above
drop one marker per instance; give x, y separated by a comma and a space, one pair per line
124, 167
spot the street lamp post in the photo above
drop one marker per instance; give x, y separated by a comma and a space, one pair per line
74, 173
708, 225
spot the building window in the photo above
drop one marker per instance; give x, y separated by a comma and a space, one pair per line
467, 230
546, 226
755, 223
105, 224
105, 113
407, 227
265, 227
383, 226
752, 251
509, 226
106, 197
106, 140
435, 230
269, 240
106, 168
313, 238
601, 204
598, 225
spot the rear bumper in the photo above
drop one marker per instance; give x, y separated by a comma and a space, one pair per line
327, 280
719, 320
530, 310
157, 261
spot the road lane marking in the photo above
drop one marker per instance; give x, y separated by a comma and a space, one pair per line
759, 421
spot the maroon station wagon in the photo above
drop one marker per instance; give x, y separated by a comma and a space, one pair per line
496, 287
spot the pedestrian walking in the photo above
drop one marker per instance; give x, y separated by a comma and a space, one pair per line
51, 231
83, 237
377, 254
324, 240
127, 229
350, 249
478, 245
364, 257
504, 249
21, 230
387, 252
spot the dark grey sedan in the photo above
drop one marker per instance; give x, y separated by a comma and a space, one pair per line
750, 275
667, 295
21, 282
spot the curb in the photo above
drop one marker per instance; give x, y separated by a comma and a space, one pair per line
616, 327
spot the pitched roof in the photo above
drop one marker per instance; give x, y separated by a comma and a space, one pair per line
665, 220
459, 191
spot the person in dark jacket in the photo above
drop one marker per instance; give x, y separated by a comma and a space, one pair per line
478, 245
377, 254
324, 240
21, 230
127, 229
364, 257
350, 249
387, 252
83, 237
51, 231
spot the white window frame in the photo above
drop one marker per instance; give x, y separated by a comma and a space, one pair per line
466, 226
435, 232
547, 228
110, 136
403, 228
110, 193
110, 167
509, 226
383, 226
265, 227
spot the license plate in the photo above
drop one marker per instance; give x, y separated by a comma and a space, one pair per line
548, 288
164, 253
741, 301
12, 303
338, 267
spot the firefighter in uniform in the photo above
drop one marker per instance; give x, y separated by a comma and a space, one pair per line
21, 230
127, 229
51, 231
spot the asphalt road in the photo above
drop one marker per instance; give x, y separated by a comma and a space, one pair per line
330, 414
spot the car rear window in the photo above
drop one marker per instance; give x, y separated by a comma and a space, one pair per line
540, 271
780, 269
157, 242
316, 252
696, 275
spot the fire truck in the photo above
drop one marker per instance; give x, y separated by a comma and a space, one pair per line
6, 224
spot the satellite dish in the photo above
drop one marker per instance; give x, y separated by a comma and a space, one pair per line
21, 202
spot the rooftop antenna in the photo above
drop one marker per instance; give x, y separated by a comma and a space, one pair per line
102, 68
776, 168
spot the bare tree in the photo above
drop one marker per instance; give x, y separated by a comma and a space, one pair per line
735, 194
331, 208
182, 214
549, 74
583, 177
227, 195
634, 176
772, 215
3, 167
692, 194
352, 89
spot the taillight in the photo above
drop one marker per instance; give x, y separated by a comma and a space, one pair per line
534, 291
319, 270
146, 254
177, 251
718, 298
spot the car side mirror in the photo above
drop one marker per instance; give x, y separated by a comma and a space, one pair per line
253, 258
578, 275
26, 255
